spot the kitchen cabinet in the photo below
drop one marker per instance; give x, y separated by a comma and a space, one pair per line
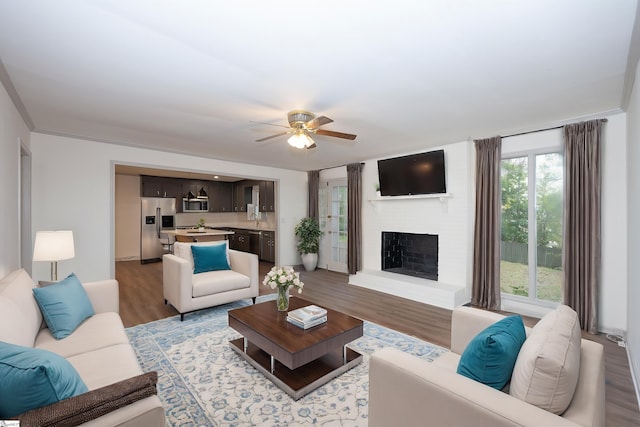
220, 196
246, 240
267, 196
155, 186
232, 240
240, 240
171, 187
150, 187
239, 196
268, 246
195, 187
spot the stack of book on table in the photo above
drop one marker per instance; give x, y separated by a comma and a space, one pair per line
307, 317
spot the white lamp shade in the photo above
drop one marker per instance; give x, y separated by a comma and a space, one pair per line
53, 246
300, 140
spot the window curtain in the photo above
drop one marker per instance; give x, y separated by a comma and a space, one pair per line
581, 242
485, 291
314, 185
354, 209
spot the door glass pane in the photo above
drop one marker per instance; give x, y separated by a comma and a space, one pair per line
322, 208
339, 224
514, 249
549, 184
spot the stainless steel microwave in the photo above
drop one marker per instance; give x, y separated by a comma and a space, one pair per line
195, 205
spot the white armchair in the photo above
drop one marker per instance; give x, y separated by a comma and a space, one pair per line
189, 292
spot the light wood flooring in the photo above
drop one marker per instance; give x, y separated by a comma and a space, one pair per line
141, 301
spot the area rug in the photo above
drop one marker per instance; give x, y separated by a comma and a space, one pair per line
203, 382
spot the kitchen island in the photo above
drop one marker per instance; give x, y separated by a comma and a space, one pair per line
193, 235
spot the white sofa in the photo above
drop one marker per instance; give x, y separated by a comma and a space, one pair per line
188, 292
98, 349
407, 391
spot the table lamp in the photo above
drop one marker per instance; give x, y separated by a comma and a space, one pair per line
53, 246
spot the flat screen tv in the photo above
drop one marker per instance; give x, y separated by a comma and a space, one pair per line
421, 173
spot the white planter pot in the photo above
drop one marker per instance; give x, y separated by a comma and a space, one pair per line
310, 261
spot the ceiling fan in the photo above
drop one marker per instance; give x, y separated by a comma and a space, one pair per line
302, 124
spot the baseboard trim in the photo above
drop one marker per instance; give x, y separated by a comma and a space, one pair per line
634, 373
128, 258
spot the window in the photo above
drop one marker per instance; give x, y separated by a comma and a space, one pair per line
531, 233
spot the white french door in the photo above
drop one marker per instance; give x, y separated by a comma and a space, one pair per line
333, 222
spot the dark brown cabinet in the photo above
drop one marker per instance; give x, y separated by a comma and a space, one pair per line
197, 188
267, 196
232, 240
171, 188
240, 240
154, 186
268, 246
239, 196
150, 187
220, 197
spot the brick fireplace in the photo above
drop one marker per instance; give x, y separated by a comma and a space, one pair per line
411, 254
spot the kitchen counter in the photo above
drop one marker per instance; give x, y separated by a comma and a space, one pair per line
193, 235
247, 227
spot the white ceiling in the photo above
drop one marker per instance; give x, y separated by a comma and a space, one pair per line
191, 76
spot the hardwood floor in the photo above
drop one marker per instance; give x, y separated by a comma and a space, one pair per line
141, 301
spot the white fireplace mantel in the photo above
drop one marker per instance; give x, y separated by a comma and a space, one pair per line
441, 196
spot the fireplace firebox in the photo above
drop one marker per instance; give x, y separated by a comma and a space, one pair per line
411, 254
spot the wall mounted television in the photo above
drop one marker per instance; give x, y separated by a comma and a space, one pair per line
422, 173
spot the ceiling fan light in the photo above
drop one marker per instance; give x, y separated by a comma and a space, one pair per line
299, 140
309, 142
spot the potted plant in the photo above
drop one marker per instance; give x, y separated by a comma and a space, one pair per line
308, 233
200, 225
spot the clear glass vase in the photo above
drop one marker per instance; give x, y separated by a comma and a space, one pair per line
283, 298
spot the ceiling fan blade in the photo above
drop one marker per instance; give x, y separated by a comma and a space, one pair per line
270, 124
318, 121
272, 136
336, 134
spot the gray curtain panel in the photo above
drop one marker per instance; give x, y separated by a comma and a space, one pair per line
581, 241
314, 184
485, 291
354, 208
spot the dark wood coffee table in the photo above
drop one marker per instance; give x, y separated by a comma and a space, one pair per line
296, 360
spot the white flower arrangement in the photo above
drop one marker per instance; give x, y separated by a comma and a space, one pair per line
283, 278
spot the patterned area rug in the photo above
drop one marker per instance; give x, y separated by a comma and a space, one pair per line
203, 382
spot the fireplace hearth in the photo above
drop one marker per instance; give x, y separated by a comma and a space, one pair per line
410, 254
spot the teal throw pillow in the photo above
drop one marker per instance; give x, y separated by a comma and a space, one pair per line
32, 378
209, 258
64, 305
491, 355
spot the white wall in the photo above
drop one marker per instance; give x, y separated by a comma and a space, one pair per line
450, 218
74, 184
633, 221
12, 130
613, 276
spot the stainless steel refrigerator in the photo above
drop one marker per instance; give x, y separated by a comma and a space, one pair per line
158, 215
